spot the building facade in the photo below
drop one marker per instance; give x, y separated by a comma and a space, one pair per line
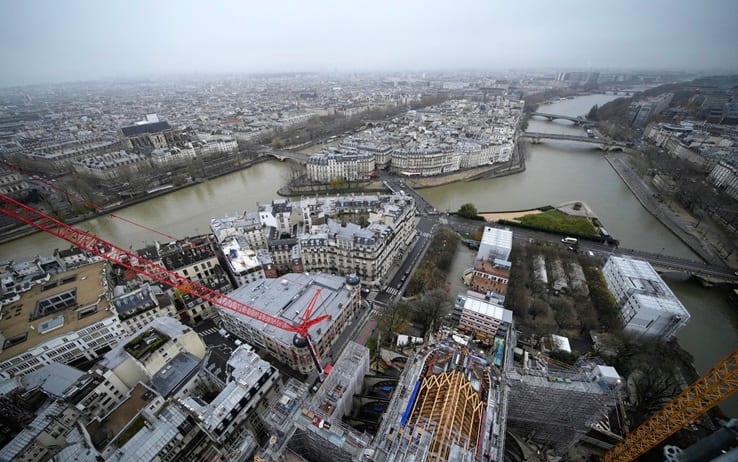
485, 318
725, 177
647, 305
287, 298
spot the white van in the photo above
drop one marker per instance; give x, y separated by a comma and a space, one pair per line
570, 241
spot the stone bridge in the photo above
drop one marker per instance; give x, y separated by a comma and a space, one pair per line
604, 144
551, 117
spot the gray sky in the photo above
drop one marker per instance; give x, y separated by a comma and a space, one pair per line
52, 40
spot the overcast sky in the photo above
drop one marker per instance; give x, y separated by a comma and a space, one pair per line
62, 40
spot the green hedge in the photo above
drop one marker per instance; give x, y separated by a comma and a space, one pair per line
559, 222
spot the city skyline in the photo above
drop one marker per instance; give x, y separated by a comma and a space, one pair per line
49, 42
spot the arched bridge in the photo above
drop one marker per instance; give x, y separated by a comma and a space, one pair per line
605, 144
552, 117
282, 155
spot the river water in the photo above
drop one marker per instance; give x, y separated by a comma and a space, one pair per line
557, 171
561, 171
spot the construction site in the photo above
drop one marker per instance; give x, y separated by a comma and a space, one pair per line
449, 407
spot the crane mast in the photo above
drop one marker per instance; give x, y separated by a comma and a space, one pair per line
114, 254
706, 392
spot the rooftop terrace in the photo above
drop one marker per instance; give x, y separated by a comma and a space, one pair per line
67, 302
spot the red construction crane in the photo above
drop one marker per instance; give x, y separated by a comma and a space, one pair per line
114, 254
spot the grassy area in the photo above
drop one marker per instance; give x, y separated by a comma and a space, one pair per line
145, 343
556, 221
131, 430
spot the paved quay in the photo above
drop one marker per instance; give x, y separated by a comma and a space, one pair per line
702, 241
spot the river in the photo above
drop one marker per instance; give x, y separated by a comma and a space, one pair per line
556, 172
561, 171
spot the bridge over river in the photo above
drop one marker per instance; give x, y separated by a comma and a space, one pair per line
577, 120
604, 144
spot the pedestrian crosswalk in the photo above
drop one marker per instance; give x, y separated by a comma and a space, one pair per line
210, 331
392, 291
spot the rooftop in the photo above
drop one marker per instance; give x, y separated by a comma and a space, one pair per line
142, 129
171, 377
145, 343
474, 302
69, 301
103, 431
287, 297
54, 379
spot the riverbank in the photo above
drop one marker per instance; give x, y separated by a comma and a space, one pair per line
18, 233
472, 174
682, 225
375, 186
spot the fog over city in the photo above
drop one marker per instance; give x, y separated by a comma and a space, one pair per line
50, 41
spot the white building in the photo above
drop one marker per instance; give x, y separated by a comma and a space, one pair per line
248, 225
350, 165
242, 261
287, 298
216, 144
496, 244
424, 161
725, 177
136, 309
252, 384
111, 165
647, 304
195, 258
11, 182
173, 155
308, 235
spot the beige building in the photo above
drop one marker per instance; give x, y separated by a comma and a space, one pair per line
111, 165
287, 298
65, 319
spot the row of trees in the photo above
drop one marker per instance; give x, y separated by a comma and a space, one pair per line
433, 269
537, 308
324, 126
427, 313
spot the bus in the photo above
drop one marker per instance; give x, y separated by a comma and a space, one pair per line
570, 241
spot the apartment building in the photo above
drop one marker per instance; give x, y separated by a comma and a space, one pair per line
286, 298
111, 165
484, 317
65, 318
345, 164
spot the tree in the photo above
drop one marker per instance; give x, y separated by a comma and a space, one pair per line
338, 183
537, 308
391, 319
277, 143
565, 315
431, 310
592, 114
653, 389
467, 211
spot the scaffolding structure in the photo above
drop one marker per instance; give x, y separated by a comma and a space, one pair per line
334, 398
312, 429
555, 409
448, 406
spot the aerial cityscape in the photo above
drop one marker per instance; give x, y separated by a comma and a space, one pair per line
370, 231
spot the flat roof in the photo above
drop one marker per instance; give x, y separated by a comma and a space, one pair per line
89, 290
486, 308
171, 377
288, 296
